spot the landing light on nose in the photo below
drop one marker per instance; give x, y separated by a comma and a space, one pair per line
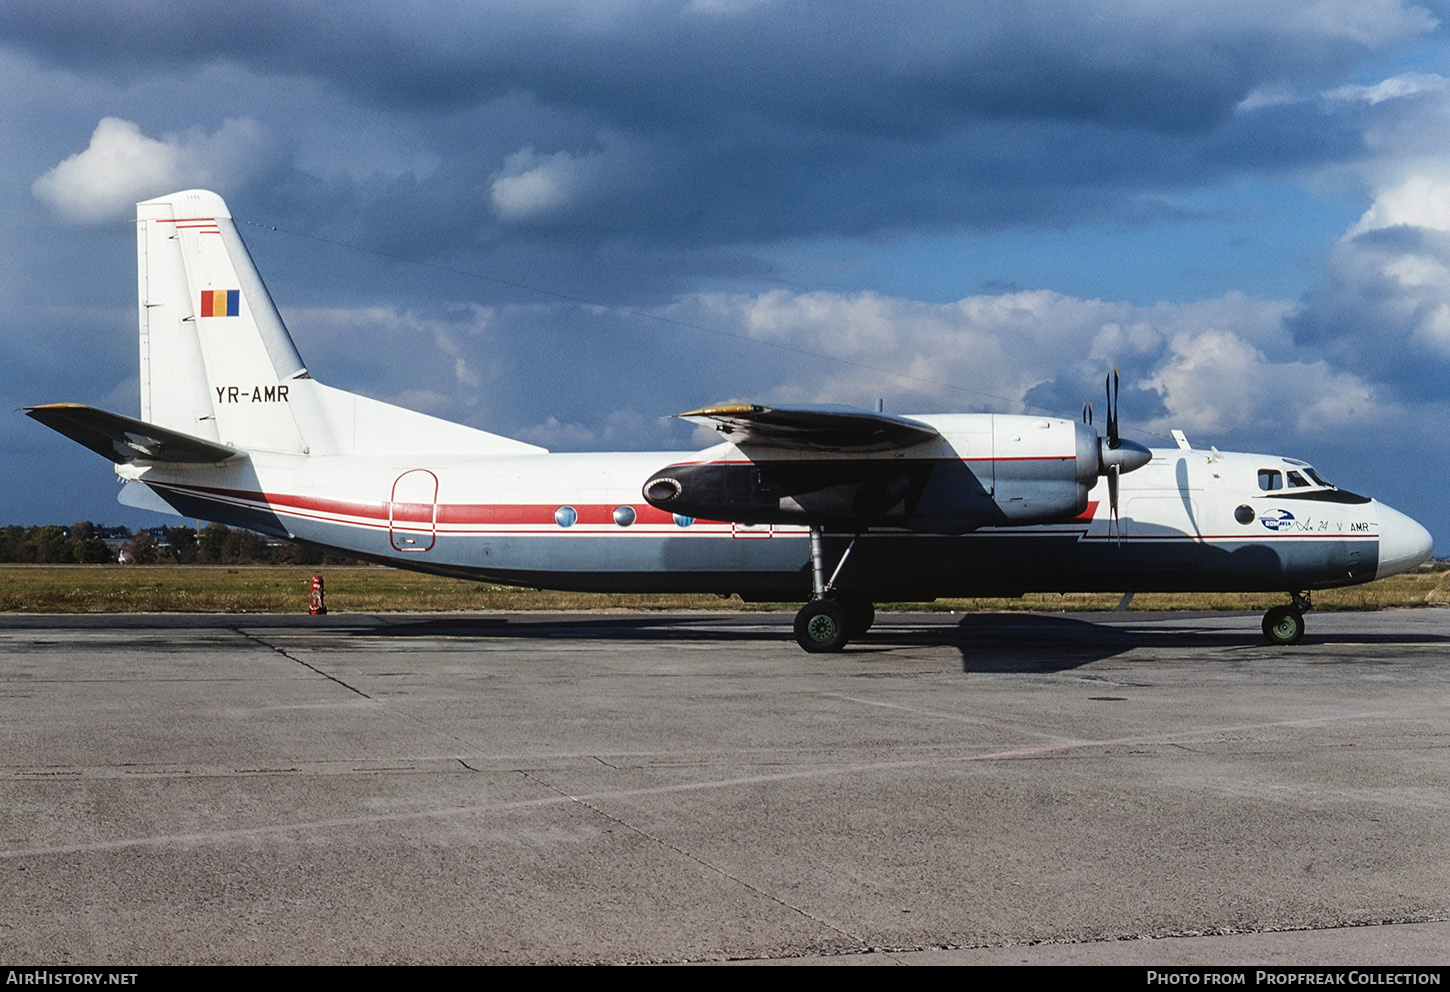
1404, 544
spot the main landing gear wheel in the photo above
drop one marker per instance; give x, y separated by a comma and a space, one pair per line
1284, 625
821, 626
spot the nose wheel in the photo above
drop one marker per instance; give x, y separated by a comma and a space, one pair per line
1284, 625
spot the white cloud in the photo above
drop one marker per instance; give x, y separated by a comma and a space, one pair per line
1383, 308
617, 429
1272, 95
1406, 133
376, 331
1219, 366
1417, 201
531, 185
1394, 88
1214, 382
121, 166
535, 187
1365, 22
1369, 23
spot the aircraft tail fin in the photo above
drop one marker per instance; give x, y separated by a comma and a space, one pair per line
218, 364
215, 356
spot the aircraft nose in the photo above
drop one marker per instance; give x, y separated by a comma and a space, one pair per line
1404, 544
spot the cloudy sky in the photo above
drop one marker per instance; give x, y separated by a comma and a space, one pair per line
563, 220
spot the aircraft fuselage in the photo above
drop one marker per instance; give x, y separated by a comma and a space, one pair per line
579, 522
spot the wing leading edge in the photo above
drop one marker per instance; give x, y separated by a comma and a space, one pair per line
815, 428
124, 439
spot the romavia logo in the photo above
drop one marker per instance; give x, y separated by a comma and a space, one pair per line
1277, 519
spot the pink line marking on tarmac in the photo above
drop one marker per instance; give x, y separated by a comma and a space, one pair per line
659, 790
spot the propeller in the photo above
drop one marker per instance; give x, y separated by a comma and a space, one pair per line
1114, 443
1115, 456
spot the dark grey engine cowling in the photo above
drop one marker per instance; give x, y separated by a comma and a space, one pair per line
838, 492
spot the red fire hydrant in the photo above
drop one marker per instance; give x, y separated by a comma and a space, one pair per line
319, 605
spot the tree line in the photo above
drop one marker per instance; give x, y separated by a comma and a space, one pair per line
87, 543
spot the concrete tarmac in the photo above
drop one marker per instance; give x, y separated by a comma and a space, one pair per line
567, 788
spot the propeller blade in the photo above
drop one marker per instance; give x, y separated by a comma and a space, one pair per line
1112, 408
1108, 397
1113, 502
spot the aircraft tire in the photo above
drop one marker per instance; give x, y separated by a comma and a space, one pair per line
821, 626
1284, 625
860, 614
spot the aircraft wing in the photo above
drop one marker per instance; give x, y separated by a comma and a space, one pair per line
126, 439
817, 428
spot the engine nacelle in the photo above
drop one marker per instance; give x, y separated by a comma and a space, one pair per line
987, 470
848, 493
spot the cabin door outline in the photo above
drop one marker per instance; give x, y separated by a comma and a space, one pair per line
413, 511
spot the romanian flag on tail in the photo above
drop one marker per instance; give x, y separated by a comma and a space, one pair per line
220, 302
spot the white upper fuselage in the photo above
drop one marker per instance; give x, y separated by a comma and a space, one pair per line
428, 510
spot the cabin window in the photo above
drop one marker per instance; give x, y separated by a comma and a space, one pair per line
1296, 480
683, 520
624, 515
565, 516
1270, 479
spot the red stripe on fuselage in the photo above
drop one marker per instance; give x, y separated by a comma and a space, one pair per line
510, 514
863, 458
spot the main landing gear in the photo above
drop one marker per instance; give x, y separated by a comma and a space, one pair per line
831, 618
1285, 624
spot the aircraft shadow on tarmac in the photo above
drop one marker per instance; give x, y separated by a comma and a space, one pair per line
988, 642
1036, 642
575, 626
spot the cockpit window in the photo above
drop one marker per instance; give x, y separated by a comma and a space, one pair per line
1304, 484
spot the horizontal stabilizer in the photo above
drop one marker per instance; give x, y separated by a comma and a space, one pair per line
125, 439
816, 428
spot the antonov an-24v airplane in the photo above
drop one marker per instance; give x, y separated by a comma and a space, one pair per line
844, 506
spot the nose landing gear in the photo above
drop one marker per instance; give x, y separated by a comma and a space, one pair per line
1284, 625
